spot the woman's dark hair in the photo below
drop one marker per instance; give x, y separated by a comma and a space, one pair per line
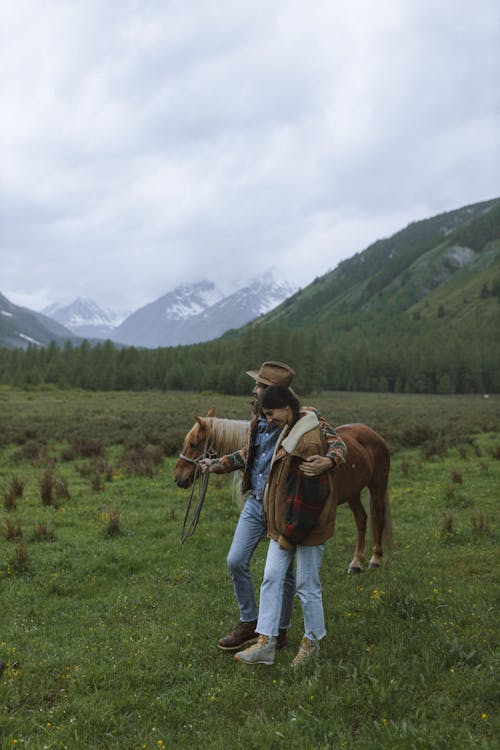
276, 397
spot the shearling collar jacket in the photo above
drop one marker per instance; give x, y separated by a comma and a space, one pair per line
298, 507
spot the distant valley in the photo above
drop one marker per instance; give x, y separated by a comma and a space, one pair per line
417, 312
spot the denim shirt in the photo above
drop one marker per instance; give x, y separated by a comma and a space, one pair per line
266, 438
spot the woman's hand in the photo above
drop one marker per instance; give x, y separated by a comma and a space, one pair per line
285, 544
315, 465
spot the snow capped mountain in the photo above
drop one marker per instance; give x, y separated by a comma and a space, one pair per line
200, 312
188, 314
85, 318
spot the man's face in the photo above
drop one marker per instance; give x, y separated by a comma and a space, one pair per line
258, 390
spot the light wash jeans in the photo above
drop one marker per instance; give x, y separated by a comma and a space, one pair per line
250, 529
308, 589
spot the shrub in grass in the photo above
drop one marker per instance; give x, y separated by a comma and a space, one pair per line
405, 468
157, 454
448, 523
9, 501
47, 488
61, 488
435, 448
455, 498
414, 436
495, 452
87, 447
99, 472
96, 480
172, 442
11, 529
99, 466
477, 450
106, 470
480, 525
44, 531
463, 452
113, 518
138, 462
33, 451
20, 559
447, 532
449, 491
69, 454
13, 492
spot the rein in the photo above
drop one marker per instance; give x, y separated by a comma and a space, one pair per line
188, 529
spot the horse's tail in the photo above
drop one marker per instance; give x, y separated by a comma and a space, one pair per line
387, 530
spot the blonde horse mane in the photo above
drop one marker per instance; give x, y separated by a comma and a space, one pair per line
226, 435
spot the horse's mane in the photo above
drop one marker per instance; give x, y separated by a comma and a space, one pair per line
227, 435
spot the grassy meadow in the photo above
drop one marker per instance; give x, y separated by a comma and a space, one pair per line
108, 625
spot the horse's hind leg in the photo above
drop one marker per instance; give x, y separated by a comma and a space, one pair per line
380, 524
359, 513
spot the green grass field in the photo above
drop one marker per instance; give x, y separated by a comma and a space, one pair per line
108, 624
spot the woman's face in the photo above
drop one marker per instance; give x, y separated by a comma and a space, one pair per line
280, 416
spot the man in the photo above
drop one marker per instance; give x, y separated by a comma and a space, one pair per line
255, 461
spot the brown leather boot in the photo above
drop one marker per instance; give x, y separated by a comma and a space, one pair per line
243, 633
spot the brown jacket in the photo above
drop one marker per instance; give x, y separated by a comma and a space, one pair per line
290, 495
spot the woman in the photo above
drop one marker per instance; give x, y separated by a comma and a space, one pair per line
300, 515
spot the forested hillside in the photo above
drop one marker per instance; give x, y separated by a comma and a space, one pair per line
417, 312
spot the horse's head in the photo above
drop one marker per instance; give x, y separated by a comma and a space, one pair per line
192, 450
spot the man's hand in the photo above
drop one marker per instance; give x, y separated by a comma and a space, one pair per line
205, 465
315, 465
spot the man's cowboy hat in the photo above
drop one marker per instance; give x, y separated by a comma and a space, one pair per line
273, 373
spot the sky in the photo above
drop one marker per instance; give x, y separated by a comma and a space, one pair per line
146, 144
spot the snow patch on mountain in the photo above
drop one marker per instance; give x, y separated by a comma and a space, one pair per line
86, 318
191, 299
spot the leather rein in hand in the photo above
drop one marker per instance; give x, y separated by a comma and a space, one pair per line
188, 528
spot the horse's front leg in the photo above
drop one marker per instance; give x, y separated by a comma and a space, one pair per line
356, 565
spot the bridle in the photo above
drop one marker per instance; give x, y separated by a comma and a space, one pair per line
208, 452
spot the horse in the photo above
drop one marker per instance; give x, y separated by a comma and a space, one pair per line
367, 465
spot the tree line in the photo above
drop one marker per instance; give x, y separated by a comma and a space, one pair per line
369, 356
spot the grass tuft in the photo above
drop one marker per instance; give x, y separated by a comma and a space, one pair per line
113, 518
11, 529
47, 488
44, 531
14, 492
20, 559
481, 525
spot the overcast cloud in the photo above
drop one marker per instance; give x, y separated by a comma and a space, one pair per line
146, 144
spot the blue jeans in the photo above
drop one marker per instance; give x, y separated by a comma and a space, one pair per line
308, 589
250, 529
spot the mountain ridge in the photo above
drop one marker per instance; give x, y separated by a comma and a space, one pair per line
362, 283
20, 327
